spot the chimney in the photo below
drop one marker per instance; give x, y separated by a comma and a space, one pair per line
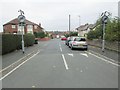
40, 24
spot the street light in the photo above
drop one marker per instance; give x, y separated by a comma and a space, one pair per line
79, 20
69, 25
104, 22
21, 19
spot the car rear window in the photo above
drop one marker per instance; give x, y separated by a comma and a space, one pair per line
79, 39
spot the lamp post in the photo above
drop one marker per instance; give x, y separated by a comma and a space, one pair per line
79, 20
21, 19
69, 25
104, 22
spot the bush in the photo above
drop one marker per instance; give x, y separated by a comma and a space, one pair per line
112, 31
11, 42
71, 34
29, 40
40, 34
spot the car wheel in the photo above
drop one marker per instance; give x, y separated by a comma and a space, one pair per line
72, 48
86, 49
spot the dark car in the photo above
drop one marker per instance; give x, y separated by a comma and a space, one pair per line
67, 41
36, 41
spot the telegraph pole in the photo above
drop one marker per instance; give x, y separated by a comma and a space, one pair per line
79, 20
69, 24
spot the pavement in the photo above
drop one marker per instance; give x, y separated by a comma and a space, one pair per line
12, 57
57, 66
108, 53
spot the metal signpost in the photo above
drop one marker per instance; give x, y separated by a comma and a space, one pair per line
21, 19
104, 22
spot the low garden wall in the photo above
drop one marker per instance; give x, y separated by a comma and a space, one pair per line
113, 45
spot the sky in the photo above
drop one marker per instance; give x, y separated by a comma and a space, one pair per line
54, 14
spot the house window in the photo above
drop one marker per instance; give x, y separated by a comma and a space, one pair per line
30, 29
20, 31
35, 26
13, 26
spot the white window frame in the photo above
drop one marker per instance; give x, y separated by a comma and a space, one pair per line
30, 29
13, 26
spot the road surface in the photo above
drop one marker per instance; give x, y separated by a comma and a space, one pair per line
57, 66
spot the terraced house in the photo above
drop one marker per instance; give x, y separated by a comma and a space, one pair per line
14, 27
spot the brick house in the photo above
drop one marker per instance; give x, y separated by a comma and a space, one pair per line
84, 29
13, 27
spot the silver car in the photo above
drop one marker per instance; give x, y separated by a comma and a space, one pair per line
78, 42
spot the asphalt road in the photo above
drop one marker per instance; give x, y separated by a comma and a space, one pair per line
57, 66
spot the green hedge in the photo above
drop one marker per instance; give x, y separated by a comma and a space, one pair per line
29, 40
40, 34
11, 42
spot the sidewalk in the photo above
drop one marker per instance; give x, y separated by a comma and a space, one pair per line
108, 53
12, 57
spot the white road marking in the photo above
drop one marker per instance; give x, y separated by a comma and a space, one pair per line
81, 71
102, 55
54, 66
60, 49
70, 54
33, 86
65, 63
15, 62
18, 66
84, 54
103, 59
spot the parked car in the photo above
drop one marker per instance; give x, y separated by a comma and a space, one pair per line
36, 41
64, 38
67, 41
78, 42
71, 39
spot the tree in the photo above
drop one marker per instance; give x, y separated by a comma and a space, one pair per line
71, 34
40, 34
112, 31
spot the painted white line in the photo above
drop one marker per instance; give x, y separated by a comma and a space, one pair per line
84, 54
60, 49
18, 66
33, 86
15, 62
70, 54
103, 59
81, 70
102, 56
65, 63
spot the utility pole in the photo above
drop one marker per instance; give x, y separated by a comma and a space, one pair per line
21, 19
79, 21
69, 24
104, 22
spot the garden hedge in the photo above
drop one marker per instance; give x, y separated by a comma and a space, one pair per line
11, 42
